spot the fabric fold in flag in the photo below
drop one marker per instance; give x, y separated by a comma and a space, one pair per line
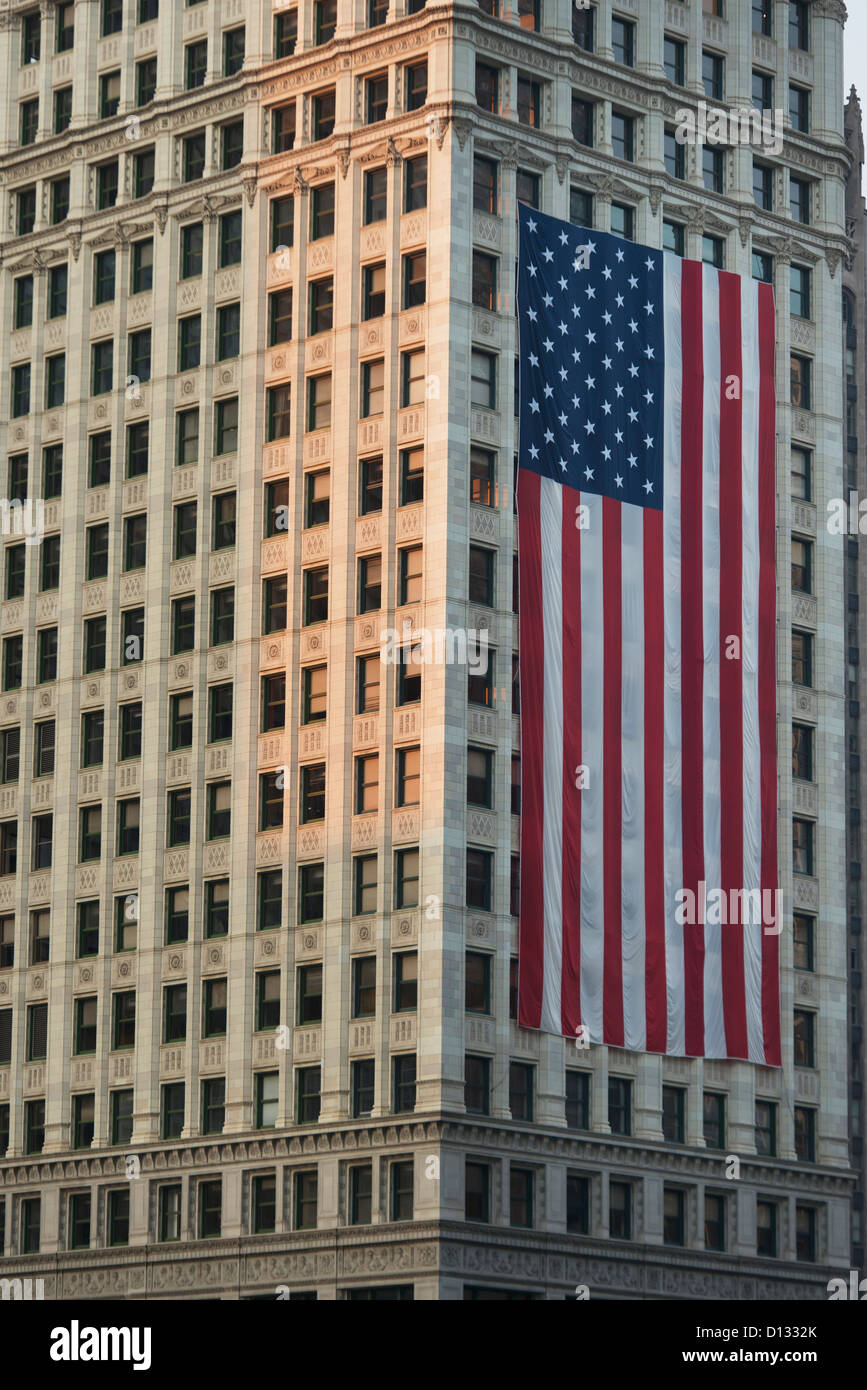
650, 910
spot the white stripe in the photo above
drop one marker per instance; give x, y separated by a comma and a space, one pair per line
551, 527
633, 925
712, 578
673, 752
592, 855
750, 663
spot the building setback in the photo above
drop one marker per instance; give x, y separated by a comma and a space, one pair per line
257, 888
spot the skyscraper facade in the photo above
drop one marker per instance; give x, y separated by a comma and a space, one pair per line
259, 723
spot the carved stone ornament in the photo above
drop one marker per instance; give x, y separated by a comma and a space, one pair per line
299, 184
250, 184
392, 156
343, 162
744, 227
462, 130
161, 216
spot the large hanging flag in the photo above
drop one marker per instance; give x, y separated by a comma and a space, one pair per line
646, 527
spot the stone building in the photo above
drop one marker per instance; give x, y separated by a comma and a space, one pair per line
257, 941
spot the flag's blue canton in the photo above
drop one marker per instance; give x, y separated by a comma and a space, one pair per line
591, 359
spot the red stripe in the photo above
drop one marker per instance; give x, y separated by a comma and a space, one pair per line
654, 784
731, 667
531, 671
570, 988
768, 666
692, 644
612, 777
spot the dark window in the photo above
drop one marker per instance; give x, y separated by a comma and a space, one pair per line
803, 839
169, 1215
268, 998
123, 1019
211, 1193
405, 984
307, 1095
485, 196
375, 195
403, 1083
311, 891
216, 906
364, 986
193, 157
269, 906
195, 63
620, 1105
479, 879
799, 108
177, 915
803, 934
620, 1210
279, 412
674, 1216
714, 1119
577, 1204
804, 1038
487, 87
623, 41
226, 425
175, 1013
521, 1090
406, 878
172, 1109
521, 1182
805, 1134
477, 1084
415, 183
766, 1228
766, 1128
674, 59
577, 1098
477, 1183
179, 816
674, 1114
411, 476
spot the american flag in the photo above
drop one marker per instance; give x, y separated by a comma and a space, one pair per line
646, 531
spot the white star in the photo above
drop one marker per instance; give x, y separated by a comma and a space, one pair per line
576, 356
591, 337
576, 312
533, 360
531, 225
549, 391
563, 374
619, 301
648, 396
632, 461
618, 436
607, 272
648, 442
576, 448
606, 317
633, 370
547, 300
619, 389
534, 407
575, 402
606, 453
591, 246
563, 327
606, 406
534, 452
532, 315
590, 292
590, 382
633, 416
549, 438
618, 480
563, 464
633, 283
633, 326
548, 345
650, 263
531, 270
606, 362
563, 420
590, 427
562, 282
648, 308
563, 238
548, 254
620, 253
588, 473
619, 344
648, 352
648, 486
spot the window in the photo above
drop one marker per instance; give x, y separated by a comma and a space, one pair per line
713, 251
62, 109
52, 471
285, 33
406, 877
620, 1105
799, 291
364, 986
307, 1095
713, 1119
324, 20
15, 570
140, 354
279, 413
10, 749
713, 172
28, 115
763, 91
477, 1084
623, 41
85, 1025
79, 1215
172, 1110
375, 195
485, 196
130, 731
674, 1216
674, 1114
313, 694
369, 583
46, 654
804, 1038
483, 379
762, 16
312, 795
144, 169
55, 380
31, 37
17, 480
21, 390
274, 605
577, 1097
311, 889
805, 1233
714, 1222
211, 1193
25, 216
412, 384
487, 87
805, 1134
214, 1008
174, 1013
799, 109
266, 1099
763, 186
323, 114
766, 1128
216, 897
802, 752
269, 899
520, 1196
527, 188
763, 267
7, 960
177, 915
529, 102
766, 1228
123, 1019
228, 331
403, 1083
405, 982
372, 388
179, 816
195, 64
193, 157
103, 277
145, 81
315, 596
623, 135
135, 542
802, 566
226, 425
13, 657
799, 24
23, 302
268, 998
712, 76
415, 86
322, 212
477, 1182
128, 823
233, 51
361, 1083
319, 403
141, 266
273, 703
219, 810
803, 939
799, 200
415, 183
106, 184
414, 280
189, 342
674, 60
620, 1210
577, 1204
